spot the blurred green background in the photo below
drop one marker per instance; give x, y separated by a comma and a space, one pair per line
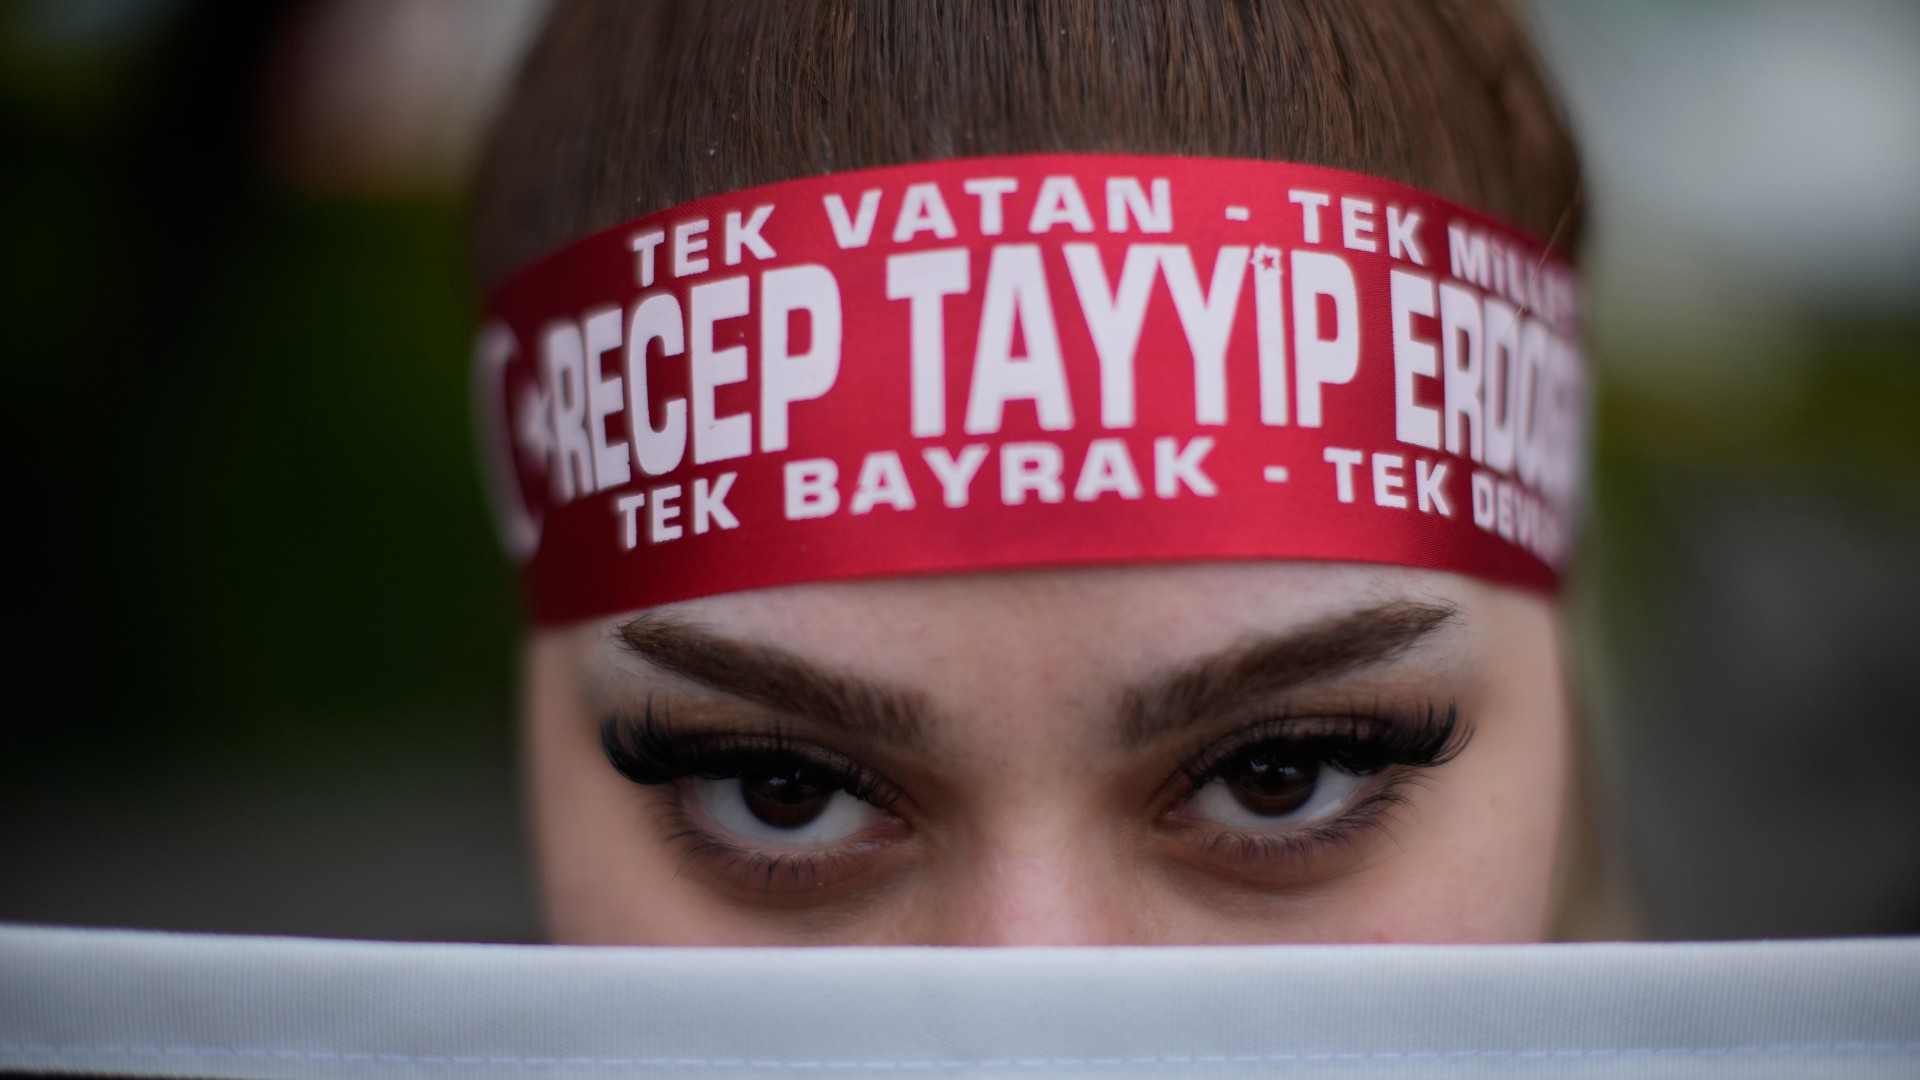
260, 659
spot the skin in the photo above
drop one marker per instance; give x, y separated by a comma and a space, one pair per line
1024, 818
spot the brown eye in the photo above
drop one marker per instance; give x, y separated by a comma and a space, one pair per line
785, 801
788, 798
1271, 784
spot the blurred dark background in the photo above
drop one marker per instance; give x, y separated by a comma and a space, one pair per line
259, 659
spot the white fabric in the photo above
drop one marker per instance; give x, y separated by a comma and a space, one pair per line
198, 1006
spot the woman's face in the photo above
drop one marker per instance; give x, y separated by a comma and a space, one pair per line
1258, 752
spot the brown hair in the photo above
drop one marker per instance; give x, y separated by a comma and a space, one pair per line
626, 107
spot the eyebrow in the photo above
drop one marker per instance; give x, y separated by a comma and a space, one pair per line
779, 680
1191, 694
1257, 670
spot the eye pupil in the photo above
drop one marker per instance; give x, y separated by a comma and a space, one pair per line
1269, 784
786, 797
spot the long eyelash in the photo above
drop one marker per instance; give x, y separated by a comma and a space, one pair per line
648, 750
1362, 744
1397, 743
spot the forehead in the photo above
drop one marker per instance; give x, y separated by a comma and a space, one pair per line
1091, 622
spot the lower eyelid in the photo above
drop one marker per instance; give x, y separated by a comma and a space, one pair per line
751, 870
1291, 850
793, 874
741, 866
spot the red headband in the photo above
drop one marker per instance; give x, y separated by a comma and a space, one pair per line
1033, 361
